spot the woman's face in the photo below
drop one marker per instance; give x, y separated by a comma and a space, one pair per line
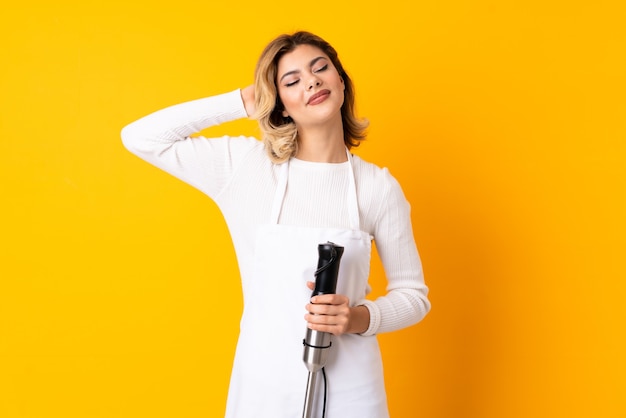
309, 86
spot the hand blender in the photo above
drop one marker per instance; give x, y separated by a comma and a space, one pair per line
316, 343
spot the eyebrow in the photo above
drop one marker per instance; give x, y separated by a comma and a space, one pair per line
312, 63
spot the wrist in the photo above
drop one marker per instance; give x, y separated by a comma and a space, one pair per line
359, 319
247, 96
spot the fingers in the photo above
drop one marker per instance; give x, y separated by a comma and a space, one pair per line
328, 310
336, 325
328, 313
333, 305
332, 299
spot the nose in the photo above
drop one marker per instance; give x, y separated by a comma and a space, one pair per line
314, 81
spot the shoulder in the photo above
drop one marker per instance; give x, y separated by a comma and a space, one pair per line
233, 145
377, 188
246, 152
372, 175
382, 201
244, 143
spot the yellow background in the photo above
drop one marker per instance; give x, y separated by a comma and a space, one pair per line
503, 120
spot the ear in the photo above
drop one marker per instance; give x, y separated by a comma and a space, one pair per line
285, 114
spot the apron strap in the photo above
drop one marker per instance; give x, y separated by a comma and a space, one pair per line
281, 189
279, 196
353, 205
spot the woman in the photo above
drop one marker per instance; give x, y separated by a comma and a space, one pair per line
281, 198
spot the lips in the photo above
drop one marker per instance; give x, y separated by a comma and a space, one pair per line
318, 97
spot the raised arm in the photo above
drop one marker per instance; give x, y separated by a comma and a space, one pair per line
247, 95
163, 138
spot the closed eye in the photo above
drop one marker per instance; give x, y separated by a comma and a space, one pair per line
322, 68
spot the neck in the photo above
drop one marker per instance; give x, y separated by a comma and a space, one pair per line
322, 144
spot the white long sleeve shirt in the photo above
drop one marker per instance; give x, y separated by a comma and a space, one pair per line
237, 174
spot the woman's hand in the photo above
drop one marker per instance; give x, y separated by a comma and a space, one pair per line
247, 95
333, 314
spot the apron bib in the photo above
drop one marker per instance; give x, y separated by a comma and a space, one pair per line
269, 376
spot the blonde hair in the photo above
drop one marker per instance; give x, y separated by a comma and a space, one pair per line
279, 133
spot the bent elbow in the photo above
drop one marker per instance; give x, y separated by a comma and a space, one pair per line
422, 308
130, 139
419, 305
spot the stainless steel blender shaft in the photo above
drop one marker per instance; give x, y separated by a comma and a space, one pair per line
307, 412
316, 345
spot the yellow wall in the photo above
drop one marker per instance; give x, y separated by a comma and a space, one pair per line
504, 121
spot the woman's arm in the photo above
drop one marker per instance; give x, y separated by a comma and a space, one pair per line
163, 139
247, 95
406, 301
332, 313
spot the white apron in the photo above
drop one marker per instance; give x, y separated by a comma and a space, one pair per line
269, 377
